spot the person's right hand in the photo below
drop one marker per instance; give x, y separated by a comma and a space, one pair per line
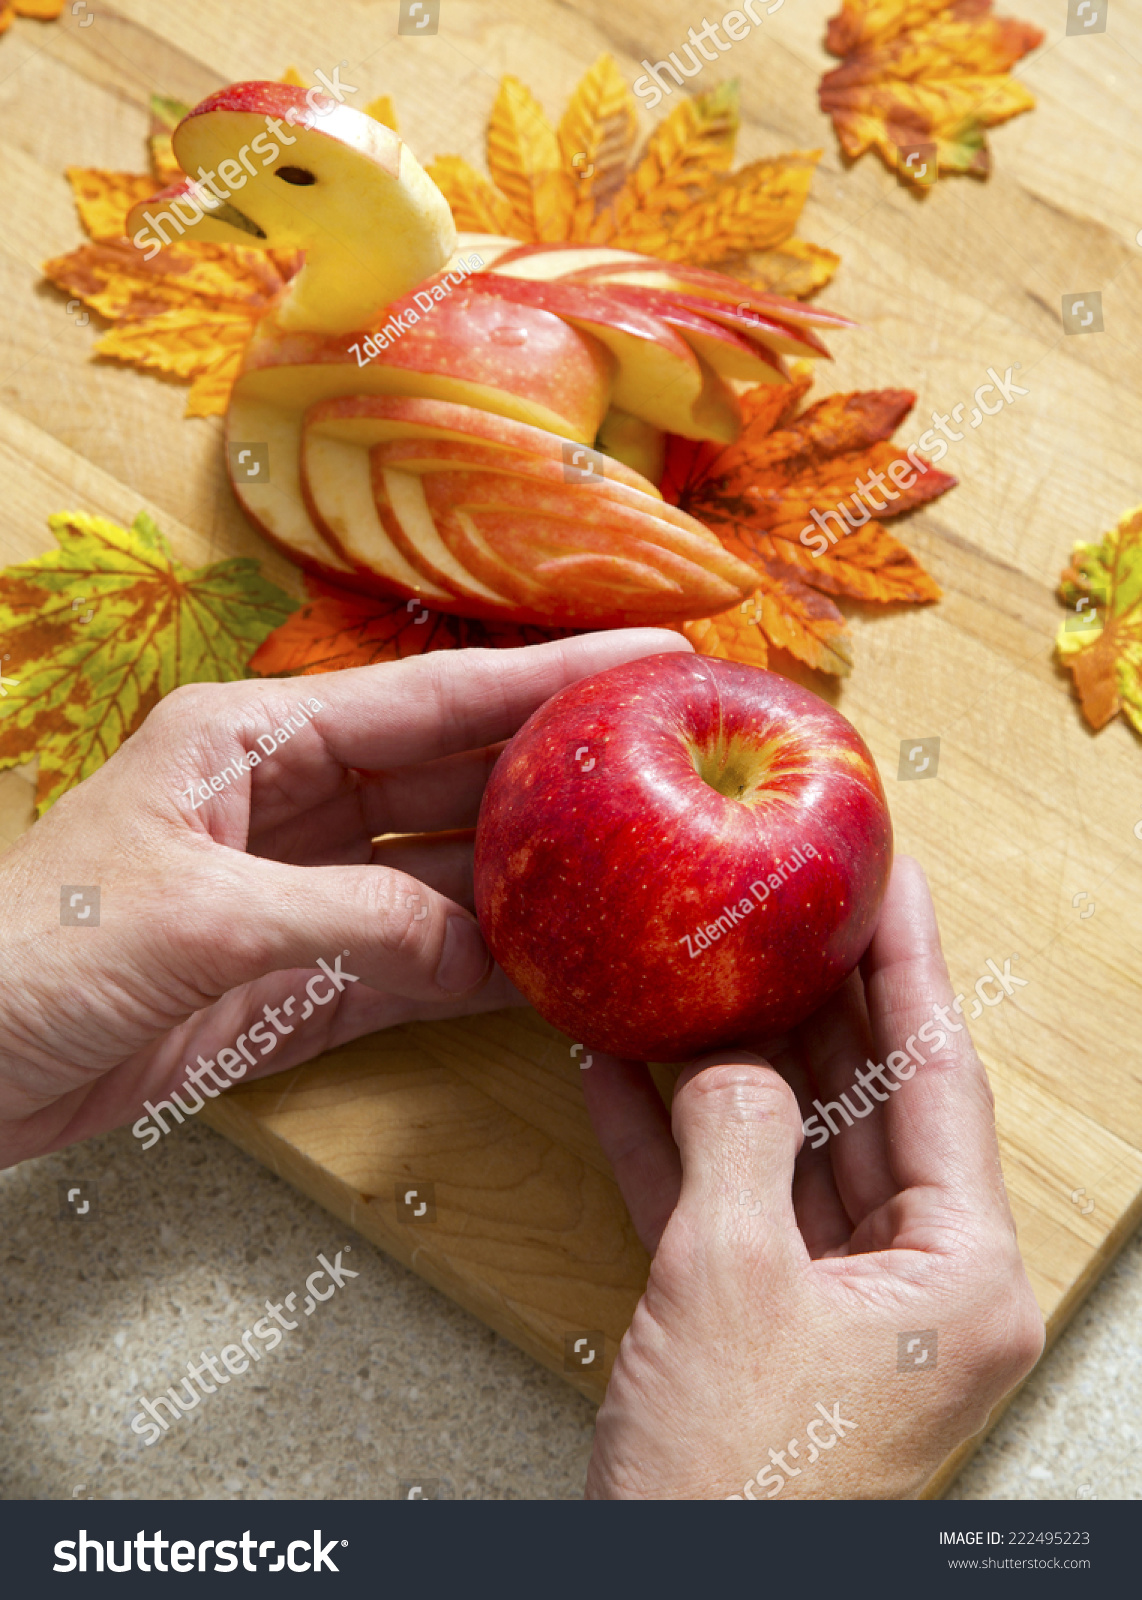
828, 1324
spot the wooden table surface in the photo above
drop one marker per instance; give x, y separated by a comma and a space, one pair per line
1028, 814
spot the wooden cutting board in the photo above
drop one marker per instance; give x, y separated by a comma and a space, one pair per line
1027, 828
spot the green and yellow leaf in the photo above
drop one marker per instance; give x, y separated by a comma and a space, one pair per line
97, 632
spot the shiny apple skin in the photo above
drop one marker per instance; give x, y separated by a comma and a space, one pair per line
601, 852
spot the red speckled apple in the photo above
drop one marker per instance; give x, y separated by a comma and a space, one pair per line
680, 853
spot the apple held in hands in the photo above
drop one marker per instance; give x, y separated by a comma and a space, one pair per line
680, 853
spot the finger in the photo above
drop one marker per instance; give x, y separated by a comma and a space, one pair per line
941, 1118
738, 1131
400, 713
848, 1103
346, 810
152, 1073
441, 860
825, 1224
633, 1127
396, 933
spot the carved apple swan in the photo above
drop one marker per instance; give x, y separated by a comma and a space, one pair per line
422, 417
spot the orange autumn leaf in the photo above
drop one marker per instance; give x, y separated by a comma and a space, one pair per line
187, 313
789, 475
735, 635
337, 628
921, 72
38, 10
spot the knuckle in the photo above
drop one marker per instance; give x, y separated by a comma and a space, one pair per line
406, 914
753, 1092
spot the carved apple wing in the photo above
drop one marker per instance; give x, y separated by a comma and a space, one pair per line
667, 289
494, 518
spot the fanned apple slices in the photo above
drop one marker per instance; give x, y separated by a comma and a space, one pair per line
475, 513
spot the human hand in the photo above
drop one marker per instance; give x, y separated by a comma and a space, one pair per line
762, 1361
216, 911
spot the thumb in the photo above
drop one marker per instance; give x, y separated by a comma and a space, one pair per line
393, 932
738, 1129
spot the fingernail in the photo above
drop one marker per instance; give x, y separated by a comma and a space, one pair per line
466, 960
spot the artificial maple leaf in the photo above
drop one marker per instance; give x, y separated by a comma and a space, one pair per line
99, 630
679, 200
688, 150
338, 628
596, 138
735, 635
187, 313
759, 495
39, 10
526, 164
924, 72
1101, 641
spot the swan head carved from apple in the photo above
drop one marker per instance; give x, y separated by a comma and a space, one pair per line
418, 420
265, 169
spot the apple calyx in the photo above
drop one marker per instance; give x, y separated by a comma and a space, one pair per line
737, 769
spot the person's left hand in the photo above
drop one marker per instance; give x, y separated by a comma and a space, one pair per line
214, 913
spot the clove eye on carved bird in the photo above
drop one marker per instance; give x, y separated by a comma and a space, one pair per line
440, 469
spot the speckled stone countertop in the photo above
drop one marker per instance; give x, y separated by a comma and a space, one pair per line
388, 1383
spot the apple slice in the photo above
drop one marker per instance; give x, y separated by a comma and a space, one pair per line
591, 556
481, 506
658, 377
472, 348
338, 489
676, 277
458, 433
770, 335
276, 504
717, 341
544, 262
404, 510
333, 182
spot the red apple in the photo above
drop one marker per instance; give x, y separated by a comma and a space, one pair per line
681, 854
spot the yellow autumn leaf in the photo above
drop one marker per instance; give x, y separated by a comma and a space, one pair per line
755, 208
188, 313
186, 342
382, 110
596, 137
795, 269
688, 150
525, 163
102, 627
103, 199
476, 205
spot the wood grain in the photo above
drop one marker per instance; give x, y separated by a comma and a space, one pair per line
1028, 811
